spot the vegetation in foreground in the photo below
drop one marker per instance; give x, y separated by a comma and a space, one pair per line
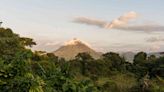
22, 70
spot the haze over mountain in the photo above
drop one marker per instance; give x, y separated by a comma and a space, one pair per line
71, 48
129, 56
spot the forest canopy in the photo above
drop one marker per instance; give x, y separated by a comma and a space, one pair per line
24, 70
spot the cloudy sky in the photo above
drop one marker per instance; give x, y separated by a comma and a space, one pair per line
107, 25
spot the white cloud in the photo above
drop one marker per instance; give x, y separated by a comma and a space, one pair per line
52, 43
121, 23
122, 20
75, 41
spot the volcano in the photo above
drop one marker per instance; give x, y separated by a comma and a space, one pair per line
71, 48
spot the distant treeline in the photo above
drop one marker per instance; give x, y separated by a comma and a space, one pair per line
22, 70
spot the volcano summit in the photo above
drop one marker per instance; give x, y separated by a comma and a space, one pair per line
71, 48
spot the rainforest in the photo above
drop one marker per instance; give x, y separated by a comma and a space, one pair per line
25, 70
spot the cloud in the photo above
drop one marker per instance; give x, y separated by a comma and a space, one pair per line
76, 41
90, 21
121, 21
155, 43
47, 45
145, 28
155, 39
52, 43
155, 47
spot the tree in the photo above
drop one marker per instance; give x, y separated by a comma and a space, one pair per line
84, 58
116, 61
10, 43
158, 69
22, 70
140, 58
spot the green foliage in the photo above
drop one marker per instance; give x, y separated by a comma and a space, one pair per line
116, 62
140, 58
22, 70
84, 59
10, 43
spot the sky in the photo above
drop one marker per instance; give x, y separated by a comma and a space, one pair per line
52, 22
